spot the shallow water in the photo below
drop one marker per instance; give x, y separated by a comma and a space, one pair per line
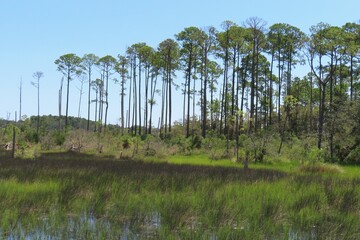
88, 226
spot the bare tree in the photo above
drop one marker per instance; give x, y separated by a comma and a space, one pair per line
60, 101
81, 92
37, 75
20, 88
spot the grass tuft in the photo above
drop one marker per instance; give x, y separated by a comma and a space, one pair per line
320, 168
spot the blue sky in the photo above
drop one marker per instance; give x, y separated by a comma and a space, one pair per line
35, 33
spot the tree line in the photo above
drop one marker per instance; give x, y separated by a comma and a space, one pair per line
240, 78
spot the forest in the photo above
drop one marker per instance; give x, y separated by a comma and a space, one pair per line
252, 131
237, 83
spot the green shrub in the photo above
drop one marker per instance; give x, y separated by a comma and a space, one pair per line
32, 136
215, 147
59, 138
126, 143
354, 156
185, 145
315, 155
196, 141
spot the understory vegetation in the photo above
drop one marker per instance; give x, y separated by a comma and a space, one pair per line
272, 145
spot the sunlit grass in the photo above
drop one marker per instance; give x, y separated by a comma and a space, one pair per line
12, 187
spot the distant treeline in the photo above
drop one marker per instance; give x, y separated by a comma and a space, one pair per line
51, 123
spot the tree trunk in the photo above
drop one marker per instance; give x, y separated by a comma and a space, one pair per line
205, 96
184, 109
96, 107
67, 100
129, 100
279, 87
351, 77
134, 123
60, 101
139, 98
271, 89
89, 101
38, 113
188, 94
311, 104
106, 98
122, 102
233, 84
321, 114
170, 98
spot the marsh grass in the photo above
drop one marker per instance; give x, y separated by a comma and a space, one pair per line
321, 168
81, 196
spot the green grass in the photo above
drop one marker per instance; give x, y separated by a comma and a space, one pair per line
80, 196
204, 160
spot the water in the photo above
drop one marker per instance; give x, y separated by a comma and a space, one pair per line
88, 226
295, 234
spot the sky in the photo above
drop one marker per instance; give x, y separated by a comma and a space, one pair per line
35, 33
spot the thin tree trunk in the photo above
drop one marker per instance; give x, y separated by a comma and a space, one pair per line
351, 77
162, 106
146, 99
129, 100
60, 100
67, 100
256, 94
271, 90
152, 102
96, 107
184, 109
20, 99
194, 102
205, 95
89, 101
233, 84
106, 98
122, 102
188, 95
321, 114
170, 99
311, 103
134, 124
38, 113
252, 93
279, 87
139, 90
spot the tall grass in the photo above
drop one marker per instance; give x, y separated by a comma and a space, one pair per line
78, 196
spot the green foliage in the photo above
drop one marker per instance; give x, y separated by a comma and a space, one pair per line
59, 138
7, 133
32, 136
150, 150
353, 157
242, 155
126, 142
315, 155
196, 141
215, 147
185, 145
